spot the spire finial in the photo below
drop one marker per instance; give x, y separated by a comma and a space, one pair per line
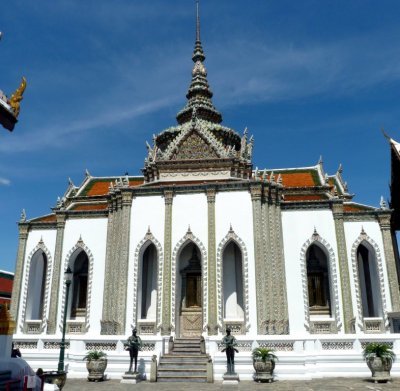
197, 22
199, 94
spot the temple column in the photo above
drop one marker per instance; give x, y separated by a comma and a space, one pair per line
123, 259
166, 288
212, 265
384, 223
256, 194
58, 274
106, 327
337, 210
20, 267
275, 267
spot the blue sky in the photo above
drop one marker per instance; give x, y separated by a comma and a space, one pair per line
308, 78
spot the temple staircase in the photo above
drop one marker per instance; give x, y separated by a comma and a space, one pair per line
185, 363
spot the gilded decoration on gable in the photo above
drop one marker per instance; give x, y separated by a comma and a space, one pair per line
194, 147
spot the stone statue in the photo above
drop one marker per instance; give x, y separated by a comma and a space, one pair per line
230, 342
134, 344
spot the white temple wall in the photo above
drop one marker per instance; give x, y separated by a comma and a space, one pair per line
146, 212
189, 209
94, 235
49, 239
235, 208
298, 227
372, 229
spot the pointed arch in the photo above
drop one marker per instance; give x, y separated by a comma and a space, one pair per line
364, 238
231, 236
39, 247
79, 246
316, 239
189, 237
148, 239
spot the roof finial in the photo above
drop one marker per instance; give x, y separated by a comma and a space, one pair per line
199, 94
197, 22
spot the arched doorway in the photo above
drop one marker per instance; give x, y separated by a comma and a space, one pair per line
79, 288
36, 286
371, 300
189, 294
319, 295
233, 308
147, 285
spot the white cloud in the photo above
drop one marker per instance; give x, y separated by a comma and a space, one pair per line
4, 182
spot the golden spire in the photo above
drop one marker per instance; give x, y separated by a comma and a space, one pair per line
16, 97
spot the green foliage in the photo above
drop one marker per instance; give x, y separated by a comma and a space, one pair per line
378, 349
95, 355
264, 354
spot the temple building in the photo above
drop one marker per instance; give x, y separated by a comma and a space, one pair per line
201, 241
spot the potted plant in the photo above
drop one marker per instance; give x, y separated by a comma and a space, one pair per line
264, 364
96, 364
379, 358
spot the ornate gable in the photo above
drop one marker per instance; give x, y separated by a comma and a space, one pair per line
193, 146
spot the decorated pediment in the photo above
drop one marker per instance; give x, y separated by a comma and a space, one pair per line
194, 147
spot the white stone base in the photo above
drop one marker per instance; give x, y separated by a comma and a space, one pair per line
230, 380
131, 378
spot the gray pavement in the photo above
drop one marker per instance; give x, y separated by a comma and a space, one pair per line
328, 384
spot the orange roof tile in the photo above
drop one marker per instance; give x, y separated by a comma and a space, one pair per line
356, 208
101, 186
305, 197
46, 219
98, 188
298, 179
83, 207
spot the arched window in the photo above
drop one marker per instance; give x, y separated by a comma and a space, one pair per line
232, 282
147, 287
318, 281
79, 286
369, 281
36, 286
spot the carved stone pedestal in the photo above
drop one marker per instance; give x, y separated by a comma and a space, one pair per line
191, 322
131, 378
230, 379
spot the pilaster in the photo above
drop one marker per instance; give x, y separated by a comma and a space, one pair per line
279, 315
212, 265
337, 210
107, 296
17, 285
166, 288
57, 274
256, 195
123, 258
384, 223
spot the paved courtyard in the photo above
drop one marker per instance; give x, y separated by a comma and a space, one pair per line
284, 385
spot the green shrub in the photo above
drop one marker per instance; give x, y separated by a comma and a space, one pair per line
378, 349
94, 355
264, 354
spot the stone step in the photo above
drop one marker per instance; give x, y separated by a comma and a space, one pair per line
183, 347
183, 365
185, 350
191, 379
190, 339
178, 372
183, 357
